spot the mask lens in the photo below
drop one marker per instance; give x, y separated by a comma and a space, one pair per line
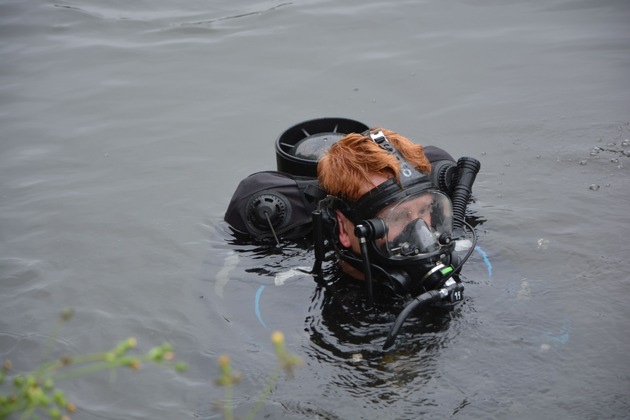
415, 224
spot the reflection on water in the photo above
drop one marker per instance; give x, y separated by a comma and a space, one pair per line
348, 336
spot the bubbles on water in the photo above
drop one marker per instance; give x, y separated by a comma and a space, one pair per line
507, 164
614, 148
525, 293
357, 357
462, 245
483, 153
594, 187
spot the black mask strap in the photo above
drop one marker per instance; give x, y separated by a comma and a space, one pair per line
408, 174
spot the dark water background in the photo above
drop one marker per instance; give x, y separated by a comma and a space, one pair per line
126, 126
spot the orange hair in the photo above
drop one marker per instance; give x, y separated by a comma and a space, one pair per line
346, 167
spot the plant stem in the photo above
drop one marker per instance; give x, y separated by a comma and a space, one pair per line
228, 412
265, 393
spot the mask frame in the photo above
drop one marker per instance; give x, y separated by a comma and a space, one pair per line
365, 210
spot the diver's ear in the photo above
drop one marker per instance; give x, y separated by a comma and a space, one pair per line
344, 236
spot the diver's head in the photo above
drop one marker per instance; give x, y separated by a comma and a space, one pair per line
356, 163
385, 200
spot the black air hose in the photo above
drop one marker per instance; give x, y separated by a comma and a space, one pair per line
467, 169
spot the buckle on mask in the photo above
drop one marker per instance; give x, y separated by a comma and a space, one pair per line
408, 173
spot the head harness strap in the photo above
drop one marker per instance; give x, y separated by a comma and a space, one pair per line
408, 174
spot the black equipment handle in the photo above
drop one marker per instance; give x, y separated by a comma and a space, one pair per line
318, 240
364, 231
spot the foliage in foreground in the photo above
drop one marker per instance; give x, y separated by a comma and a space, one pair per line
36, 393
229, 378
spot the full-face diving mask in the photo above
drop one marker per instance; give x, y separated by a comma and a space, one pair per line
406, 231
415, 223
404, 228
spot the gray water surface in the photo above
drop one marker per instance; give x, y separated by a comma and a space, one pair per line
126, 127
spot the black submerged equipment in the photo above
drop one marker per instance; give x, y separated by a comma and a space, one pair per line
405, 230
272, 205
299, 147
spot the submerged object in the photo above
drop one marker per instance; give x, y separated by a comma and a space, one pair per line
299, 147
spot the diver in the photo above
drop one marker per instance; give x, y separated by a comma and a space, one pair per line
386, 210
381, 181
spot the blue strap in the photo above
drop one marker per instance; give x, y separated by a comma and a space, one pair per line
257, 305
485, 259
